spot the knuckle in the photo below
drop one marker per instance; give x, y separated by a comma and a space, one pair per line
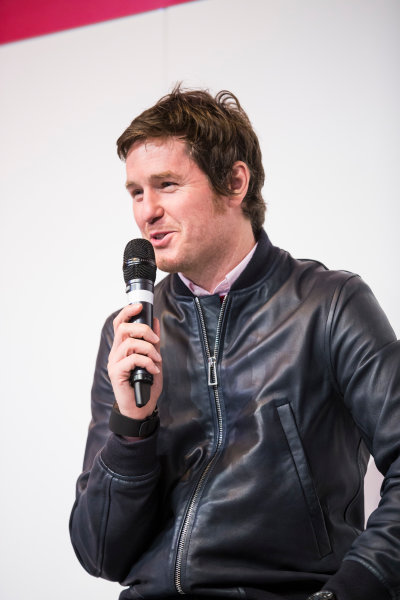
121, 329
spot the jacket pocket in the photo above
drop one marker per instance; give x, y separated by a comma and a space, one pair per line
289, 427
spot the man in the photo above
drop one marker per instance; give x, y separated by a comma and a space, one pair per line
274, 379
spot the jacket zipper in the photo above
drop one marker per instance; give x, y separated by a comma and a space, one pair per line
212, 382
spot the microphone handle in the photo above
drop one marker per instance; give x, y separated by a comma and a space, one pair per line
141, 290
140, 379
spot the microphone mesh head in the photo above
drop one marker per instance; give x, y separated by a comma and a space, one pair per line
139, 261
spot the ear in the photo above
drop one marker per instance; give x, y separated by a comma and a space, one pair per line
239, 183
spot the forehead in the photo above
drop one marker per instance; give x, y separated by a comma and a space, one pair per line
158, 150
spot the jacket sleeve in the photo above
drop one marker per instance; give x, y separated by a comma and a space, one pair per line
365, 365
114, 515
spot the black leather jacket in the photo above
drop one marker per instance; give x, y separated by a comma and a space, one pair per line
253, 485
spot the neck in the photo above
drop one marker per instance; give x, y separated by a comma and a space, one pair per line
232, 255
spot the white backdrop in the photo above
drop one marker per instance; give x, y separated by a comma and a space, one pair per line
320, 82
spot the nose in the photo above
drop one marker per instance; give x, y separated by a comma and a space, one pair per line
151, 208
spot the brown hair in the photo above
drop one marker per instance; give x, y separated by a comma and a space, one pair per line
217, 132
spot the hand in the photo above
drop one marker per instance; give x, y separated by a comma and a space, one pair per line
135, 345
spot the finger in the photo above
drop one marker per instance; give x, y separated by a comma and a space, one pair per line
135, 346
126, 314
120, 372
156, 327
134, 330
157, 331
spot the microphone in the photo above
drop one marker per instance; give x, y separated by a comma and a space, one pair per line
139, 269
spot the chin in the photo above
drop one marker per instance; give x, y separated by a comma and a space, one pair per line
168, 266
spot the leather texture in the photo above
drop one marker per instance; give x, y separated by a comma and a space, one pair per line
260, 485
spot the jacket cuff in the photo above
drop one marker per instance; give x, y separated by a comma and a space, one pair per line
353, 581
130, 459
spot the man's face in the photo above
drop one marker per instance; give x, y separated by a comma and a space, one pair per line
176, 208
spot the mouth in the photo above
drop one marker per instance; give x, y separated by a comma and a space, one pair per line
159, 239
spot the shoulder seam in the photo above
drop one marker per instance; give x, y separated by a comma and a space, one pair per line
328, 328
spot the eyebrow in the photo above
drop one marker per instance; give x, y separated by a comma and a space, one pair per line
155, 178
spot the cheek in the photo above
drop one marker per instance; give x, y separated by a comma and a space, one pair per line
136, 215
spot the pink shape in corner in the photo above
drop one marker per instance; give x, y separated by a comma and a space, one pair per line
21, 19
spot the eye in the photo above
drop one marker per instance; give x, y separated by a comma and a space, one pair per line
136, 193
167, 184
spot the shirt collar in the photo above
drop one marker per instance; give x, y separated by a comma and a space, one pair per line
225, 285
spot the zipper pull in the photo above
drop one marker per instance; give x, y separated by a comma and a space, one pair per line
212, 371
